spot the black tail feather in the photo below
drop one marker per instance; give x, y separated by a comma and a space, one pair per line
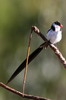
22, 66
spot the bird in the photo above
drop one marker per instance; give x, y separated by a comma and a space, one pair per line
54, 35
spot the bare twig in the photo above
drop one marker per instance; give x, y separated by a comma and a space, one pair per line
37, 31
21, 94
59, 54
26, 68
53, 47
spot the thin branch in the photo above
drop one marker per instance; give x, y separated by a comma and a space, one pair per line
27, 59
37, 31
59, 54
21, 94
53, 47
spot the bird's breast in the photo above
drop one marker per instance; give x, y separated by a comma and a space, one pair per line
54, 37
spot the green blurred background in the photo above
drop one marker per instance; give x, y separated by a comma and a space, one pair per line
46, 75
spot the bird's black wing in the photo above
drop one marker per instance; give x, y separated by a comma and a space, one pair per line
23, 65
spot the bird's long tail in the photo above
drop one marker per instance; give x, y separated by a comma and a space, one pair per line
31, 57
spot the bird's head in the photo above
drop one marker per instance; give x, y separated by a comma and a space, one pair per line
56, 26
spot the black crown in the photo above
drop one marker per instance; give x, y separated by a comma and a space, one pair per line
57, 23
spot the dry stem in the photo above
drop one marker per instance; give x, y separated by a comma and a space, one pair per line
21, 94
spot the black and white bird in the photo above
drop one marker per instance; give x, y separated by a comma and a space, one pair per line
54, 35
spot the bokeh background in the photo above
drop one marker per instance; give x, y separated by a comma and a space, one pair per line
46, 75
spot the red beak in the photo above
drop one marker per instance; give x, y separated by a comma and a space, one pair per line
61, 25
